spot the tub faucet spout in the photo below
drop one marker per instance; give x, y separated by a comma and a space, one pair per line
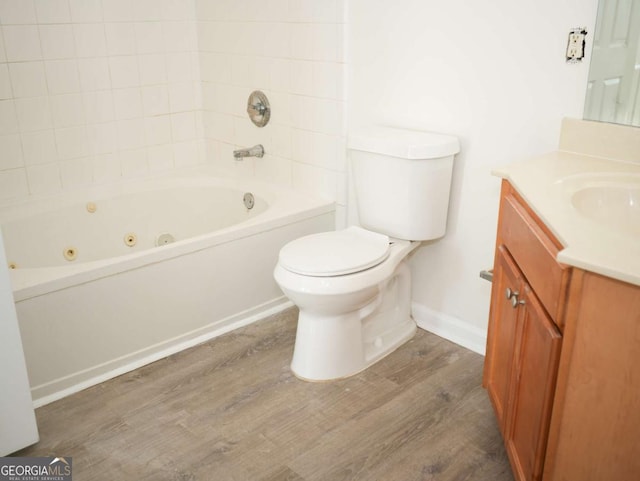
255, 151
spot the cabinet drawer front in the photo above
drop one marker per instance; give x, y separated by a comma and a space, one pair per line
535, 252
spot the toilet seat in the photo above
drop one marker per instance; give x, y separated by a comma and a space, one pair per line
335, 253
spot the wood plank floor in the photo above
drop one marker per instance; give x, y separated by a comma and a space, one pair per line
230, 409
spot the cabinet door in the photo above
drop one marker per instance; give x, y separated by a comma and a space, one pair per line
534, 378
501, 336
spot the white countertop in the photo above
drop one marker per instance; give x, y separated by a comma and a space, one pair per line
548, 182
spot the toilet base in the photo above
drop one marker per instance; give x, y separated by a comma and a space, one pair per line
335, 346
319, 366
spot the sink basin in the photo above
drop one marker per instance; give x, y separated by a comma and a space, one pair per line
612, 200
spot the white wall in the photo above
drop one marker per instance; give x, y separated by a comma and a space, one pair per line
491, 72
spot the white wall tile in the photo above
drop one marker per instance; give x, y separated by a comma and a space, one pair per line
57, 41
325, 42
117, 10
179, 68
44, 178
324, 151
205, 10
8, 118
127, 103
98, 106
121, 38
181, 97
152, 69
302, 77
62, 76
160, 157
10, 152
280, 75
124, 72
149, 37
28, 79
102, 138
157, 130
272, 10
221, 126
314, 179
106, 167
277, 43
281, 108
302, 111
146, 10
39, 147
240, 70
22, 43
72, 142
13, 184
301, 11
179, 36
94, 74
281, 140
13, 12
177, 9
302, 41
3, 56
131, 134
185, 153
183, 126
274, 169
76, 172
33, 114
67, 110
155, 100
52, 11
327, 116
301, 145
327, 80
325, 11
90, 39
134, 163
84, 11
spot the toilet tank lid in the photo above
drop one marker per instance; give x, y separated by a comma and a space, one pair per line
403, 143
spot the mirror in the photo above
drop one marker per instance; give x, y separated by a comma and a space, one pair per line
613, 89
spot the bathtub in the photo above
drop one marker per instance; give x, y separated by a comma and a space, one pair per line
119, 276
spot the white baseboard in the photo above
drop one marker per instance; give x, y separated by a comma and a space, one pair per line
450, 328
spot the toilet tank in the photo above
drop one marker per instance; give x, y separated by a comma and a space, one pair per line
402, 180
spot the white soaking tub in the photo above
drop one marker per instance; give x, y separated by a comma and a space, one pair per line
116, 277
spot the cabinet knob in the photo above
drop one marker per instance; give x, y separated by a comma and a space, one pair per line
513, 297
515, 302
510, 294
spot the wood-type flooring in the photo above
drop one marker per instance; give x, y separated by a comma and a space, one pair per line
231, 410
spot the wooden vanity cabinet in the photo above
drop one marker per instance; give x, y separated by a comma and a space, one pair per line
524, 338
562, 366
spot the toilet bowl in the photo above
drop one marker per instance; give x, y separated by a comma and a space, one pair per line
353, 287
350, 320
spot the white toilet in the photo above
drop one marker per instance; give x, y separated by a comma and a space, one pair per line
353, 287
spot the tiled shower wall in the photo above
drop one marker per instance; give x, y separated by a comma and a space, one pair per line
94, 90
293, 51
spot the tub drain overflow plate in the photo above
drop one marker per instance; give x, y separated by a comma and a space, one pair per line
249, 200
